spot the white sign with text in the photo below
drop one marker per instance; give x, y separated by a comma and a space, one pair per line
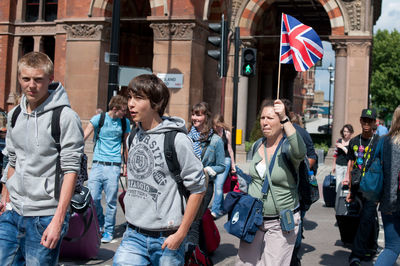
173, 81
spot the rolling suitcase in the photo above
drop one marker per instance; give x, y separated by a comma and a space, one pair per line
82, 240
347, 216
329, 190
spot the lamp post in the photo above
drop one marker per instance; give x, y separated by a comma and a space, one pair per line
330, 69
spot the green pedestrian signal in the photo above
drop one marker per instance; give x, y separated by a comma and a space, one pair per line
248, 69
249, 59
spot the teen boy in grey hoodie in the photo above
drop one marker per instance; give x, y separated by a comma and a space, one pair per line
31, 232
156, 226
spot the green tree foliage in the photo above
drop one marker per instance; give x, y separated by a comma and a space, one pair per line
385, 80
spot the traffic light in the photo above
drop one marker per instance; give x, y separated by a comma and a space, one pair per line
249, 59
221, 42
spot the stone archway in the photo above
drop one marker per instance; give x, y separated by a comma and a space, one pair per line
350, 33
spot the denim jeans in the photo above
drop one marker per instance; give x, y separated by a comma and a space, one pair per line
218, 188
138, 249
391, 226
20, 240
366, 237
104, 177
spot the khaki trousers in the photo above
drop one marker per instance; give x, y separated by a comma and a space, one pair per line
271, 246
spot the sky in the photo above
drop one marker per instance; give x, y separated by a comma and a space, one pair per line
388, 20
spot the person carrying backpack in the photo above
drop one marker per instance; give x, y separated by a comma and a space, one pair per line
110, 130
42, 173
303, 169
275, 185
208, 147
158, 215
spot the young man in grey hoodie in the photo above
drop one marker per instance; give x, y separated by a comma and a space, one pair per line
157, 224
33, 226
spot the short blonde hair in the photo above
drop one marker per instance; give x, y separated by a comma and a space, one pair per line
36, 60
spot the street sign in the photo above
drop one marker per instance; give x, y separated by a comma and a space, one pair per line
172, 81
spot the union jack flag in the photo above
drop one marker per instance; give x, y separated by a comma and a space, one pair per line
300, 44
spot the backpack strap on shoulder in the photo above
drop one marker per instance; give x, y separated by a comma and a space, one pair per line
286, 158
101, 123
173, 165
56, 133
123, 124
131, 137
15, 115
256, 145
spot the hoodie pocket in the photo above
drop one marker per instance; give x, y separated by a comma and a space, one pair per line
39, 188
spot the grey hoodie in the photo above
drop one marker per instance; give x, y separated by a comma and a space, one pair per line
33, 154
152, 200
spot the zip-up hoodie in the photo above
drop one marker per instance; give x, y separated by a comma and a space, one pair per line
152, 200
33, 153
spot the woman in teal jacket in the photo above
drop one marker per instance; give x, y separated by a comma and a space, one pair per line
209, 148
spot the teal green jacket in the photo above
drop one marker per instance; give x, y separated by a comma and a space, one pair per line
283, 182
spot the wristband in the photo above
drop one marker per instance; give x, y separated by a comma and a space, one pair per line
285, 120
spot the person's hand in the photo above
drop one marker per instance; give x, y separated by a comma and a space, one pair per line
2, 207
279, 109
349, 197
51, 235
173, 241
124, 171
345, 182
339, 145
210, 171
3, 203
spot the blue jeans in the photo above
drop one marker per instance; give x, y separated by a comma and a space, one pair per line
20, 240
218, 188
391, 226
105, 177
138, 249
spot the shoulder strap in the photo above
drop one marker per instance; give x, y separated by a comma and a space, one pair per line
123, 124
131, 137
101, 123
286, 159
256, 145
55, 126
173, 165
56, 133
15, 115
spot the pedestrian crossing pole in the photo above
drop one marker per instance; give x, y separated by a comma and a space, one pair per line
235, 88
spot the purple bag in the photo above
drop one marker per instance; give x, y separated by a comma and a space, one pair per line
82, 240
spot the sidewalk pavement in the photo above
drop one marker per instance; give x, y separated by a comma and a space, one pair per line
321, 246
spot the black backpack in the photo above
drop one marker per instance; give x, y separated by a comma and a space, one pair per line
81, 199
308, 193
172, 161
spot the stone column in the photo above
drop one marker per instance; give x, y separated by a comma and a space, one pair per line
84, 66
179, 48
14, 86
357, 68
339, 104
37, 43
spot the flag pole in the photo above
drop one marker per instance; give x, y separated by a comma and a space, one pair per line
279, 60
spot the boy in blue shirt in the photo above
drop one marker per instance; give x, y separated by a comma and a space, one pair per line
107, 160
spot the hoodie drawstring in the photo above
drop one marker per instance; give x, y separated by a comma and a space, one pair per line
36, 130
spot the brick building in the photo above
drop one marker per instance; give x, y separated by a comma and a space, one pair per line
170, 36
